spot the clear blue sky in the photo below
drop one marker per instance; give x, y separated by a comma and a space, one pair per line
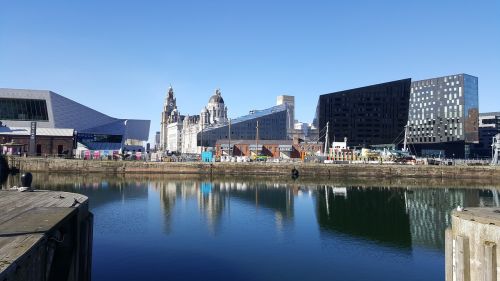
120, 56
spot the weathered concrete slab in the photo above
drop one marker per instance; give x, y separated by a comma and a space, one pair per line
27, 221
35, 220
472, 245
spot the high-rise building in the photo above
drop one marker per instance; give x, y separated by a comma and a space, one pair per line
443, 116
157, 140
372, 115
489, 126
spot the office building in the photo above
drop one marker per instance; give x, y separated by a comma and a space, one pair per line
371, 115
157, 140
443, 116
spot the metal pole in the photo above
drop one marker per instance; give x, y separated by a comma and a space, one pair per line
326, 137
257, 140
230, 154
201, 139
406, 135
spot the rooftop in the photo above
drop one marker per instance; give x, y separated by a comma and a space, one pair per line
254, 115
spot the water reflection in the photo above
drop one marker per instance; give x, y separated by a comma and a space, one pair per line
376, 214
214, 200
428, 210
304, 230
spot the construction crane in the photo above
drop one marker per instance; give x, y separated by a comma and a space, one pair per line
495, 150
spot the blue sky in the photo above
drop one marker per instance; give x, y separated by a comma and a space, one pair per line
120, 56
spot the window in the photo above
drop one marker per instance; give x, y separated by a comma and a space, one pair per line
23, 109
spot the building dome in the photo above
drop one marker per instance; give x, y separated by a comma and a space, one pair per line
216, 98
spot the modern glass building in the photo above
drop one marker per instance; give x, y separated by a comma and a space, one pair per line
372, 115
95, 130
269, 124
444, 116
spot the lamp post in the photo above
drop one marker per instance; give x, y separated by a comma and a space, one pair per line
201, 138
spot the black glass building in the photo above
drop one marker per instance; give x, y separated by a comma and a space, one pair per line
372, 115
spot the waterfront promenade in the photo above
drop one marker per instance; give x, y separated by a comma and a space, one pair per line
256, 168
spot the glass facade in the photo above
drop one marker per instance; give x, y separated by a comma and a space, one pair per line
272, 123
86, 137
444, 115
471, 109
23, 109
489, 126
366, 116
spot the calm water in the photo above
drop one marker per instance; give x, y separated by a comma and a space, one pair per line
161, 229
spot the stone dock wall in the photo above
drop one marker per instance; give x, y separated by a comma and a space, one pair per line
252, 169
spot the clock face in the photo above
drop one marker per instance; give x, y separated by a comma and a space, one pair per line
171, 104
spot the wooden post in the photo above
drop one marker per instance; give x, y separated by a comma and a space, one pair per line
462, 258
490, 261
448, 250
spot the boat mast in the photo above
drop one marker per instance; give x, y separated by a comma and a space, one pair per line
405, 143
326, 138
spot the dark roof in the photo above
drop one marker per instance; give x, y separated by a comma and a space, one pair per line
216, 99
489, 114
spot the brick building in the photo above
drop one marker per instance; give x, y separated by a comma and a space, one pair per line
49, 141
269, 148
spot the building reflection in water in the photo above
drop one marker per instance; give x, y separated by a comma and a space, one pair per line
395, 216
429, 210
214, 200
375, 214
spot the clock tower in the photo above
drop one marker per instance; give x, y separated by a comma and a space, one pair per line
169, 106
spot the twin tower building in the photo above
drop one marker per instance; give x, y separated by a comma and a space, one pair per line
193, 134
179, 133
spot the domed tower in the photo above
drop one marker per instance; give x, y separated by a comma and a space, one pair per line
215, 112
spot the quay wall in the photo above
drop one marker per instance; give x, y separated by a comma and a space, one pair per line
255, 168
471, 248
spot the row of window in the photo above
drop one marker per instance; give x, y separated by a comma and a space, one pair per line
23, 109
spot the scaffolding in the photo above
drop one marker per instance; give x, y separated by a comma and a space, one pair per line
495, 150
